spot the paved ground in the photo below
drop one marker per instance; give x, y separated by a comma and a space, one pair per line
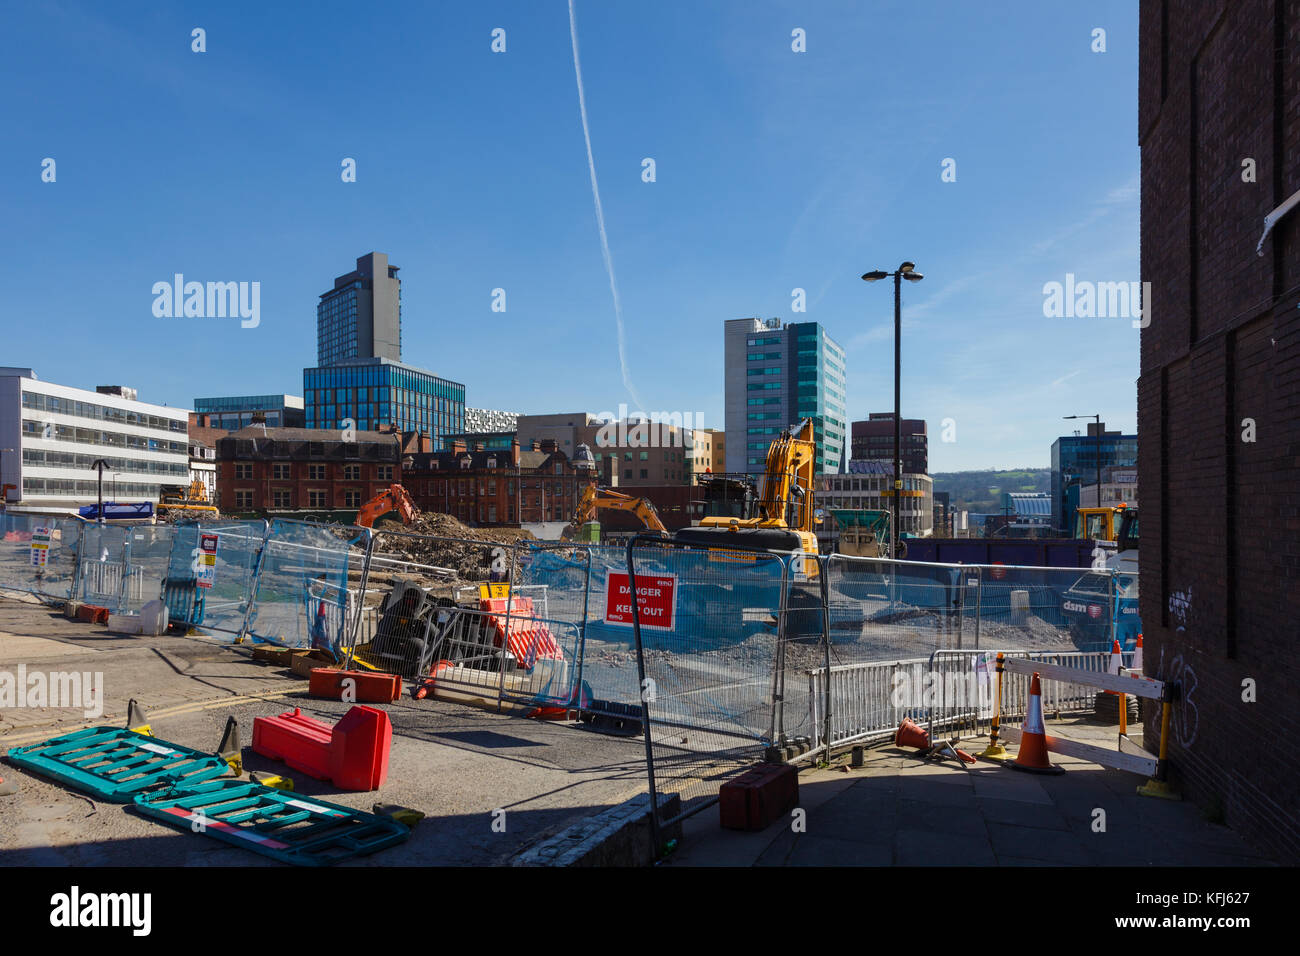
457, 764
898, 810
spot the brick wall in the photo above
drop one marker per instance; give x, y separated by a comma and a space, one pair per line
1221, 516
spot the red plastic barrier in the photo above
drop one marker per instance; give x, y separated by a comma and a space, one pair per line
353, 754
758, 796
92, 614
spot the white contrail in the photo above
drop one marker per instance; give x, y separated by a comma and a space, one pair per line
600, 213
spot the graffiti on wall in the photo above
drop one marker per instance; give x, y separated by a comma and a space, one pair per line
1183, 718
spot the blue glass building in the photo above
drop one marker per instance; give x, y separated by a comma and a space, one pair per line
1074, 461
376, 391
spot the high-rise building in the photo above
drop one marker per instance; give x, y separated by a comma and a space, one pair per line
776, 376
361, 317
873, 440
51, 436
1074, 462
361, 381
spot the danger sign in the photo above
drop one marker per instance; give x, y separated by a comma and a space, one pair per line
40, 547
656, 599
207, 560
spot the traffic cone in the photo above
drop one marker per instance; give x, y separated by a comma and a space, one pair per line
1032, 757
910, 735
1116, 657
1137, 653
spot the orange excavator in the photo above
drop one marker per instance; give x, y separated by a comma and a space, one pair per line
395, 498
594, 498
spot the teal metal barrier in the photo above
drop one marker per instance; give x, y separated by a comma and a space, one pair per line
303, 831
114, 764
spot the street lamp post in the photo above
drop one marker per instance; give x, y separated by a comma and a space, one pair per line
1098, 436
905, 271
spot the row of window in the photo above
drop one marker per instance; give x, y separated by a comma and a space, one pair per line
41, 402
283, 471
93, 436
66, 459
82, 488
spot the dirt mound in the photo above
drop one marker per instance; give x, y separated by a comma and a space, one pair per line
471, 556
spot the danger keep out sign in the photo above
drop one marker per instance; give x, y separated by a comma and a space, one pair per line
656, 600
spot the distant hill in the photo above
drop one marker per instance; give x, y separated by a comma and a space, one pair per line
982, 490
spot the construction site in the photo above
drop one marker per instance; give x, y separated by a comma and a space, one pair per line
290, 689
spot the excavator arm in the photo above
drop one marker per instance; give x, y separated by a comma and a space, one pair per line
595, 498
395, 498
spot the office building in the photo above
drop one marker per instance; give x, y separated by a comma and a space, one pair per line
866, 487
873, 440
52, 435
1074, 463
231, 413
638, 451
378, 392
1118, 486
361, 317
775, 376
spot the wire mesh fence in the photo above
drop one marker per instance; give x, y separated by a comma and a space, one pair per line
707, 630
39, 554
211, 575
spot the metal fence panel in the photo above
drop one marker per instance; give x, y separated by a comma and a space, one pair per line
301, 594
39, 554
708, 643
221, 610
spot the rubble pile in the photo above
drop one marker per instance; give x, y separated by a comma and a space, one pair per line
470, 555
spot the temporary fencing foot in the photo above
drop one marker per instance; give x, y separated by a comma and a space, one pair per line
137, 720
229, 749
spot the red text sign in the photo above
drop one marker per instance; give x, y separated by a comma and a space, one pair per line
656, 596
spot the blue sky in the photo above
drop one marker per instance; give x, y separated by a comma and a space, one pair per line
775, 170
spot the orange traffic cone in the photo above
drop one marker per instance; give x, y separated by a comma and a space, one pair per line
1032, 756
910, 735
1137, 654
1116, 657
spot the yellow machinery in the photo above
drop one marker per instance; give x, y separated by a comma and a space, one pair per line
191, 500
594, 498
785, 515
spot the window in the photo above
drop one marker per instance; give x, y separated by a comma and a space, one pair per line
243, 499
351, 498
281, 498
384, 472
644, 473
645, 456
627, 472
351, 472
243, 470
492, 489
281, 471
316, 498
316, 472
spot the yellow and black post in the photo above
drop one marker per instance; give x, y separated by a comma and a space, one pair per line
1158, 786
995, 750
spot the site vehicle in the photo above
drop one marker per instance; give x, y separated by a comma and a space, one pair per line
189, 500
864, 533
1089, 603
394, 498
783, 519
595, 498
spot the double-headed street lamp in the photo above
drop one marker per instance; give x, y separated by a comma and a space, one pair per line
906, 271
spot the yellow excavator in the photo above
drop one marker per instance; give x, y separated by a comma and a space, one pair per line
595, 498
786, 516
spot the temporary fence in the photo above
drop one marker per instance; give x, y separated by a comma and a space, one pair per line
708, 627
39, 554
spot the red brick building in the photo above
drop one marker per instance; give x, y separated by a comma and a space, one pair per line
496, 487
307, 469
1219, 400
